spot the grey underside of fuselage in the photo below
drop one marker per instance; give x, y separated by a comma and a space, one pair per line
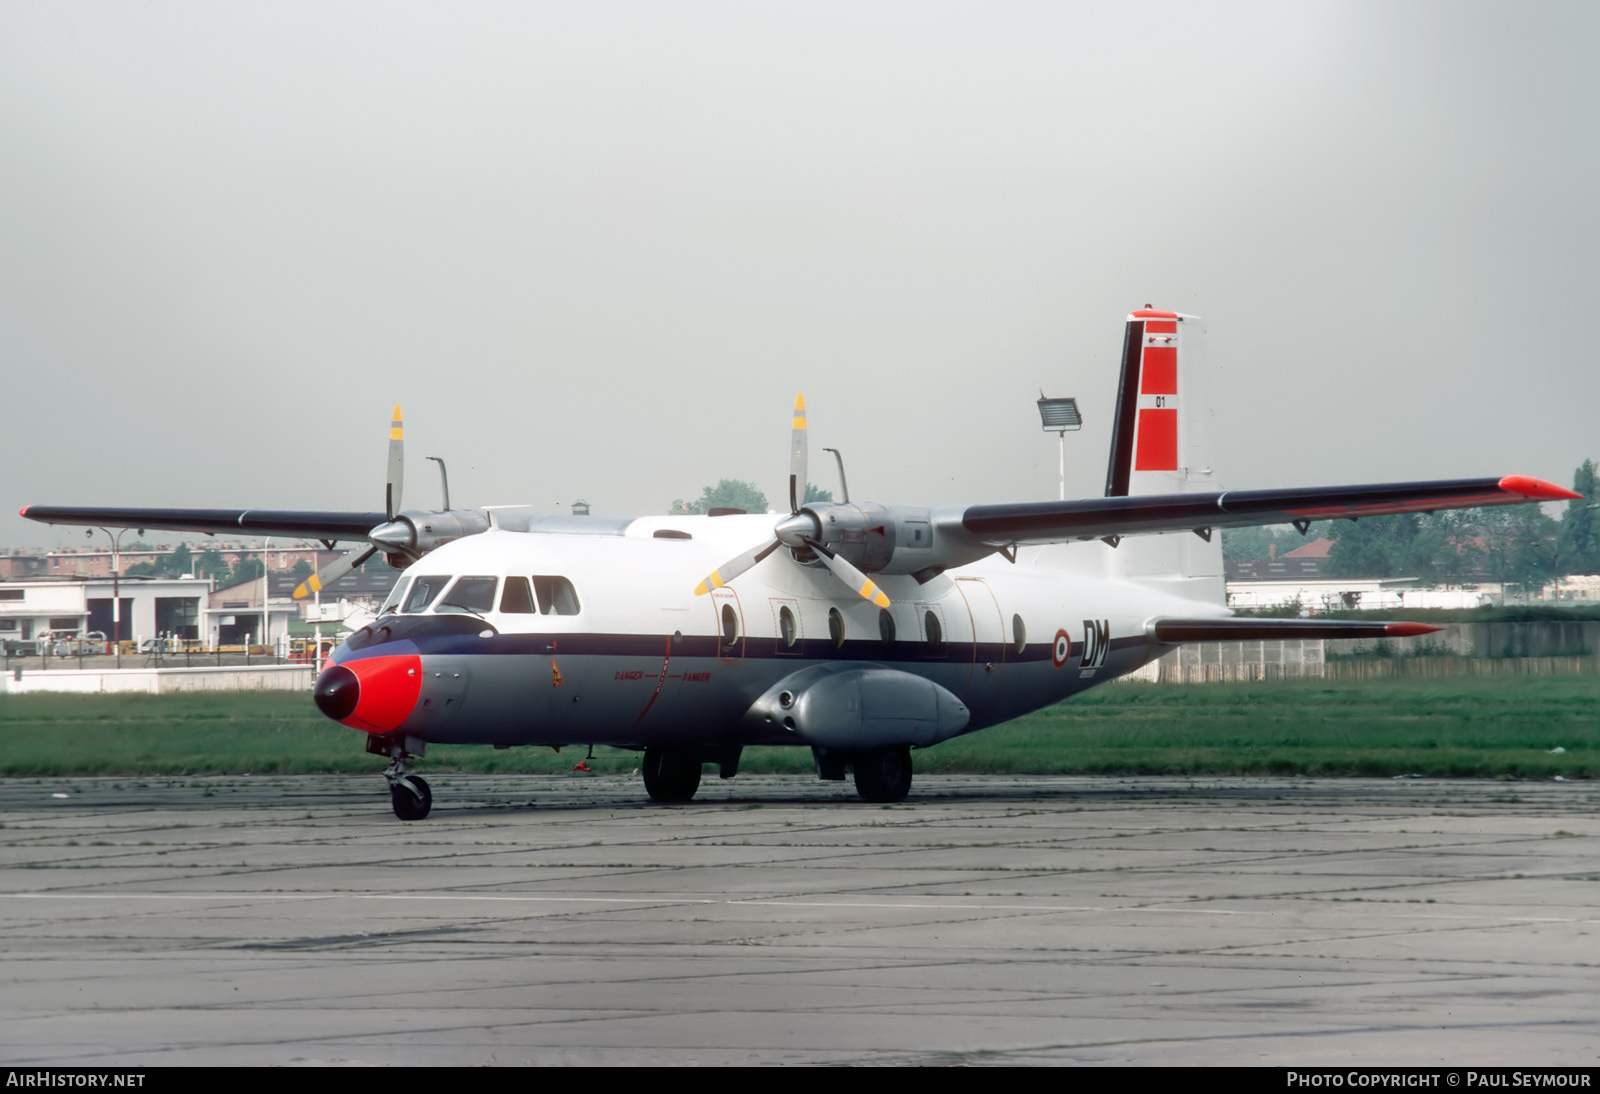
633, 702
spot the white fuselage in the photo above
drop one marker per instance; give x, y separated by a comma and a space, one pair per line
642, 660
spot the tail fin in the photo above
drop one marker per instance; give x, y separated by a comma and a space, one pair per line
1160, 438
1160, 444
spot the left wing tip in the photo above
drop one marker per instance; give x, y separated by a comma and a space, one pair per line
1410, 630
1530, 487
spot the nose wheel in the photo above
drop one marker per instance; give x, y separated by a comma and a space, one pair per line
411, 797
409, 794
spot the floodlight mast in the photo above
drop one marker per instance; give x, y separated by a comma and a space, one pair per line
1058, 416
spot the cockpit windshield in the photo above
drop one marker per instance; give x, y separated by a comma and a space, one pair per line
423, 591
475, 594
470, 594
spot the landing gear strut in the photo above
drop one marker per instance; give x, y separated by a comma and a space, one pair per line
670, 774
883, 774
409, 794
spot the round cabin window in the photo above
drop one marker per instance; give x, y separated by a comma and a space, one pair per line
836, 628
886, 626
788, 630
1019, 633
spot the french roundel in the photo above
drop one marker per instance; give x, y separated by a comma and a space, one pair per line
1062, 650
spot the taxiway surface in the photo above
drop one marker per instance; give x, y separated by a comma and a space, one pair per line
293, 920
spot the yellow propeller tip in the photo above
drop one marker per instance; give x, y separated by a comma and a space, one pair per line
799, 400
701, 589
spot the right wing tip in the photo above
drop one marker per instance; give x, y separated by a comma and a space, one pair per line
1530, 487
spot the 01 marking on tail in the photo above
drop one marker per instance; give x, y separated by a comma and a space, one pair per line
858, 629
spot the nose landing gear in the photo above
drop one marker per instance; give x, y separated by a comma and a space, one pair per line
410, 794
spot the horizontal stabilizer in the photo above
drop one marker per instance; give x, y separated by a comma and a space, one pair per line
1249, 630
255, 522
1092, 518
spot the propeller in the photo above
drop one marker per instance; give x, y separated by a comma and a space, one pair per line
798, 531
381, 536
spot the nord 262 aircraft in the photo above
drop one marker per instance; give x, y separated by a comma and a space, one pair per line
860, 630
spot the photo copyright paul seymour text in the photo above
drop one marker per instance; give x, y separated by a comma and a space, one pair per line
1475, 1080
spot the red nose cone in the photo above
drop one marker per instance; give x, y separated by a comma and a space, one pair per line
376, 694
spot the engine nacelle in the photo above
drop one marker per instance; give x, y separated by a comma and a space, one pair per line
889, 539
415, 532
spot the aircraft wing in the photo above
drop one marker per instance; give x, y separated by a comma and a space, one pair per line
309, 524
1093, 518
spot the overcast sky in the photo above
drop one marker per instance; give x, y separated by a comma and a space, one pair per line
594, 248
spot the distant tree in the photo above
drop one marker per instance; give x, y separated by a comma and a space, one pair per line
1580, 531
301, 567
727, 494
1372, 547
1399, 545
1520, 545
817, 493
141, 569
249, 569
179, 561
213, 565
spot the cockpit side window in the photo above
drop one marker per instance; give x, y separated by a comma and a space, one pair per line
422, 592
471, 594
517, 598
396, 597
556, 595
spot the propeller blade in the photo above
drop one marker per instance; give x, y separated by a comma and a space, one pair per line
397, 464
862, 585
797, 455
733, 568
332, 572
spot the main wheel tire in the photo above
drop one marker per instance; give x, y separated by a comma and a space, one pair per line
670, 775
410, 805
883, 774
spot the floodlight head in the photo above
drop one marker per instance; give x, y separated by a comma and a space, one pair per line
1059, 415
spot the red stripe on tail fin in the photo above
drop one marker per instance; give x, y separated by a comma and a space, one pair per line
1160, 373
1157, 441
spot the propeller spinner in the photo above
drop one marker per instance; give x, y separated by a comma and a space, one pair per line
798, 531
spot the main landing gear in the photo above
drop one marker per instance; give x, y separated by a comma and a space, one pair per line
409, 794
670, 774
881, 774
673, 774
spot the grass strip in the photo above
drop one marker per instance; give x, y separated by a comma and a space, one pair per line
1499, 727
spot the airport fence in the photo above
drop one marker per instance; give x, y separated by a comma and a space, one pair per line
1368, 668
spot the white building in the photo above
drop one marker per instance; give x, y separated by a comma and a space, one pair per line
1318, 595
149, 608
